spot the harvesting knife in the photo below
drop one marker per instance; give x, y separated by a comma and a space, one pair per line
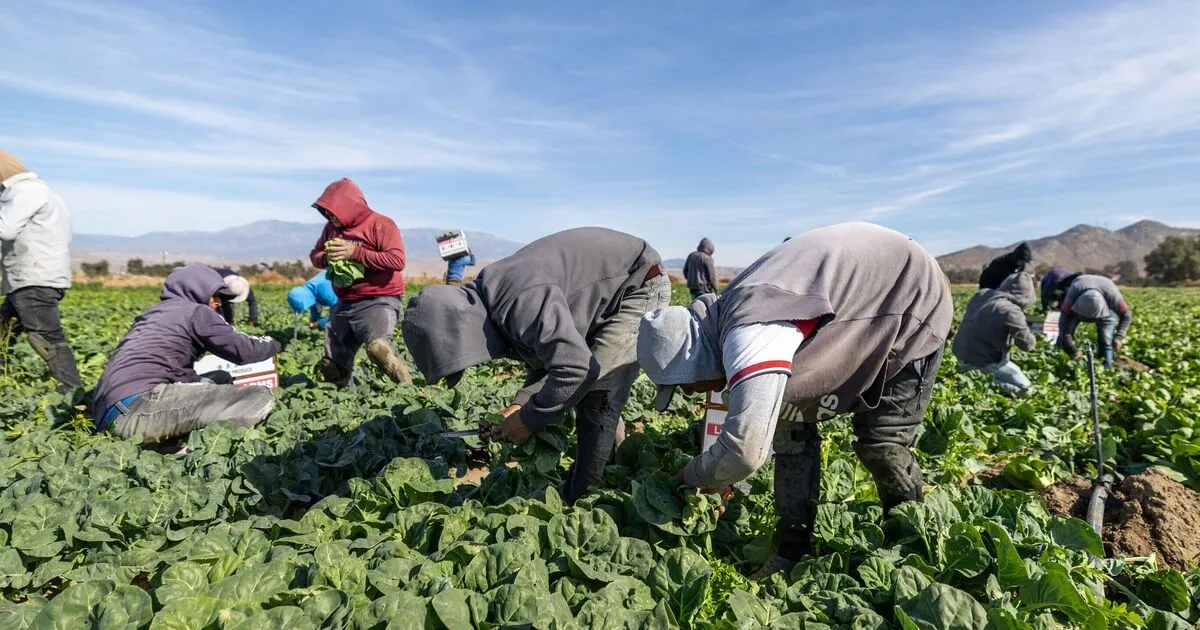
465, 433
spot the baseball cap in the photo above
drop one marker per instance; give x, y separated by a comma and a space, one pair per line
237, 289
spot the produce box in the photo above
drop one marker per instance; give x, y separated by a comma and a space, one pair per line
715, 411
263, 373
1048, 329
452, 245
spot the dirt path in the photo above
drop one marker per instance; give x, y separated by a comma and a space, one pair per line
1148, 513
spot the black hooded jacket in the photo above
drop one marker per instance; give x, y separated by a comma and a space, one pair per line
1004, 266
699, 270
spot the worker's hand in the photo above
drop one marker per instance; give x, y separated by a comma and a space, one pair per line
338, 250
512, 430
1077, 355
1117, 344
726, 493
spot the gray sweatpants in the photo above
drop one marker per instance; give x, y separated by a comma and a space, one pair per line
174, 409
885, 436
599, 413
355, 324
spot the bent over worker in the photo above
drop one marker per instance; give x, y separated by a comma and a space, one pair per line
568, 306
850, 318
993, 322
313, 296
369, 308
1095, 299
149, 388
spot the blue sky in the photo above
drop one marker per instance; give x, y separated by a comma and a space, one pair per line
957, 123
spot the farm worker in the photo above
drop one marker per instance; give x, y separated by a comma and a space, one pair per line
35, 242
850, 318
1054, 287
313, 296
568, 306
699, 271
1004, 266
1095, 299
367, 310
242, 293
995, 320
149, 388
456, 267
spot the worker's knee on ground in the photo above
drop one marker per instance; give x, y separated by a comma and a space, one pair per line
895, 471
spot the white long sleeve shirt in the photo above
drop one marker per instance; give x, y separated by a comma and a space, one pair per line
35, 235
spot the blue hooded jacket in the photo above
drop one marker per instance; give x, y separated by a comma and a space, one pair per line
313, 296
457, 267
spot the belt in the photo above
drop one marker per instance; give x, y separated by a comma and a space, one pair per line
116, 409
652, 273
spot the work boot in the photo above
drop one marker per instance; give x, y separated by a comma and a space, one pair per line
331, 373
384, 355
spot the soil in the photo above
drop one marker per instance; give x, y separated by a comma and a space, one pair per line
1130, 364
1148, 513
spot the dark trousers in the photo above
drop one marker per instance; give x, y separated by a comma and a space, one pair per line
34, 311
885, 436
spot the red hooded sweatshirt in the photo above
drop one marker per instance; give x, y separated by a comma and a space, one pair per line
380, 247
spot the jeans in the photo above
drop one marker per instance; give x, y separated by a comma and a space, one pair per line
174, 409
353, 325
598, 415
1008, 377
885, 436
1105, 330
34, 311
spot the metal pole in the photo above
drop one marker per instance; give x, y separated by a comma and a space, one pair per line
1103, 484
1095, 415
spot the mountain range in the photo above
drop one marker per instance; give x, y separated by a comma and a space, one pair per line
262, 241
1079, 248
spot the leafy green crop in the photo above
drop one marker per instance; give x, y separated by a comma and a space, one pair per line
342, 510
344, 273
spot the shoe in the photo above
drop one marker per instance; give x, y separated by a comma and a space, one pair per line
776, 564
384, 355
333, 374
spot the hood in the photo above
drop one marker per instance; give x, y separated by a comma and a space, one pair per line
344, 199
447, 330
1020, 286
1090, 305
1023, 253
705, 246
10, 165
673, 350
194, 283
301, 299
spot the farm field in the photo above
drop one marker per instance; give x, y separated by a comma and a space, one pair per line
346, 510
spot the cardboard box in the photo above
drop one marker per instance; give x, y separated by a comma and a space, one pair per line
1048, 329
261, 374
715, 411
452, 245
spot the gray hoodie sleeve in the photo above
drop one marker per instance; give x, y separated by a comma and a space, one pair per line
1018, 329
745, 442
534, 381
541, 320
1126, 316
223, 340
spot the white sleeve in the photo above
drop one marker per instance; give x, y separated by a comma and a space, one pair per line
18, 204
760, 349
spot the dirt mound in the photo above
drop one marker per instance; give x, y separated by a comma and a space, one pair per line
1149, 513
1131, 364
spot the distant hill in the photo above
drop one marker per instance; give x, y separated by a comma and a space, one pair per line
261, 241
1081, 247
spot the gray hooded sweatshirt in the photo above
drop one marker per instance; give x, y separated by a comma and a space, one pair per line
35, 230
1111, 297
699, 270
542, 305
882, 302
994, 321
167, 339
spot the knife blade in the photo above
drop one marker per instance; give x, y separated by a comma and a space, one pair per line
466, 433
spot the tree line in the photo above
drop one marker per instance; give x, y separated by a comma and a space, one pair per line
1176, 260
139, 267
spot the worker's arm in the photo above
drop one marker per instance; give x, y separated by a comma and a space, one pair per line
542, 321
1123, 311
745, 442
1018, 329
18, 205
386, 253
1066, 332
317, 255
252, 305
226, 342
534, 381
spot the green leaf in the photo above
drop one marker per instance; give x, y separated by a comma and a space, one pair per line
280, 618
1165, 590
1054, 590
681, 578
99, 605
1010, 568
188, 613
590, 532
186, 579
1073, 533
943, 607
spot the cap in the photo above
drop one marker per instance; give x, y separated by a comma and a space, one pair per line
237, 289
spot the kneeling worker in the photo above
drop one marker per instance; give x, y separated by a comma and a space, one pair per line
149, 387
995, 320
313, 296
568, 305
851, 318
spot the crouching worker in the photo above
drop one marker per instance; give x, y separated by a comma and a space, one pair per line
313, 296
851, 318
1095, 299
568, 305
368, 307
994, 321
149, 388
